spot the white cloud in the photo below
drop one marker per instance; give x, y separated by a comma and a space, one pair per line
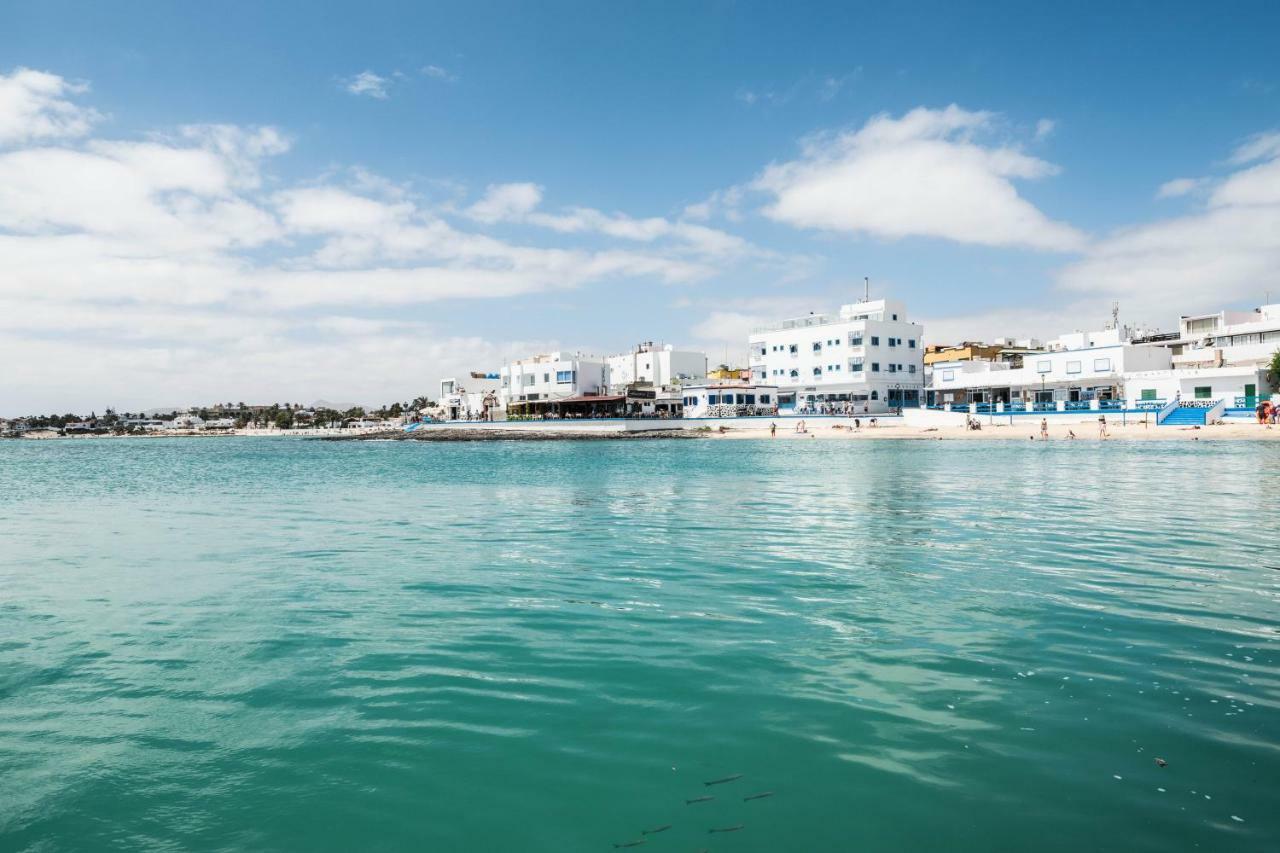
506, 203
1226, 252
166, 264
436, 72
519, 203
1260, 146
1045, 128
35, 105
1179, 187
924, 174
369, 84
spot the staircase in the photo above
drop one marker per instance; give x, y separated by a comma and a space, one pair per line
1185, 416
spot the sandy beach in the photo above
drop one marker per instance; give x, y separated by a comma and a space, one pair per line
1022, 431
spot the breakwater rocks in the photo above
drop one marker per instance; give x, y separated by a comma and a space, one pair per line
463, 434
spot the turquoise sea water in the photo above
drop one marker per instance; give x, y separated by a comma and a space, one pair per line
267, 644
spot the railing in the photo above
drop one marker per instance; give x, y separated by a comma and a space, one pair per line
1149, 404
1215, 411
1248, 402
1076, 405
1168, 408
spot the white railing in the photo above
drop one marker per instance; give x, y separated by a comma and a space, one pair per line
1215, 411
1169, 408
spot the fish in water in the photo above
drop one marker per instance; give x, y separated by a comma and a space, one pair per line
732, 778
698, 800
759, 796
635, 843
656, 829
1160, 762
733, 828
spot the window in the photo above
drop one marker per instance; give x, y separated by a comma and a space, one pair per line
1251, 390
875, 340
795, 374
855, 339
727, 398
1073, 367
1101, 365
764, 399
895, 316
817, 371
875, 367
893, 368
713, 399
1204, 392
817, 346
855, 365
750, 399
948, 375
911, 343
911, 368
893, 342
528, 378
875, 395
546, 378
795, 348
564, 377
1044, 366
1148, 394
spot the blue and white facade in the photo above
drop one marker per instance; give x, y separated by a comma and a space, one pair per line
550, 377
1078, 367
729, 400
867, 357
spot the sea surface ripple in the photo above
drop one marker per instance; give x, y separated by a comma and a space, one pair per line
262, 644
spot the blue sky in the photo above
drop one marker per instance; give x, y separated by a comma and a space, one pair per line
357, 200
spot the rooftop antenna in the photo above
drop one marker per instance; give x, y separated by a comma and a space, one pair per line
1115, 315
866, 288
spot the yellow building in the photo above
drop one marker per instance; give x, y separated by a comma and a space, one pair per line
966, 351
724, 372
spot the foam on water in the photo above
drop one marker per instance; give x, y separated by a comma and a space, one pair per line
281, 645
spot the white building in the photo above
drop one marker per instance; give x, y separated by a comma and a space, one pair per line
659, 366
187, 421
1219, 356
532, 385
729, 400
1074, 368
473, 398
866, 357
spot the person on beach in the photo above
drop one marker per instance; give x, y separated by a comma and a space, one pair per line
773, 430
1044, 429
1071, 434
1102, 427
1260, 411
857, 424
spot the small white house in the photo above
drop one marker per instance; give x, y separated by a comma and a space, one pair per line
728, 400
186, 422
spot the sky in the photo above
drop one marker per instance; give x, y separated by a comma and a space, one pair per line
285, 202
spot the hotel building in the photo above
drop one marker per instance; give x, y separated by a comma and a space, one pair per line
866, 357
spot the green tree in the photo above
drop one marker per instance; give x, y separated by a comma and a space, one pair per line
284, 419
1273, 371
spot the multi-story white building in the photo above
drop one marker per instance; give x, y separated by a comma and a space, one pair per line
531, 385
867, 357
1216, 356
1076, 367
659, 366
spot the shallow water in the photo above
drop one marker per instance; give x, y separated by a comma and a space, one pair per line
274, 644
